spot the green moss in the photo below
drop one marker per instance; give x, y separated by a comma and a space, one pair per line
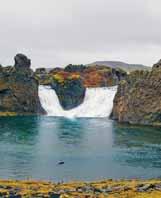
59, 78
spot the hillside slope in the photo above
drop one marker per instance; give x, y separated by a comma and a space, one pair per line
125, 66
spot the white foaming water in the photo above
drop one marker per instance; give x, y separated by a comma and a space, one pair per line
98, 102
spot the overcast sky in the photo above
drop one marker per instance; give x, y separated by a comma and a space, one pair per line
59, 32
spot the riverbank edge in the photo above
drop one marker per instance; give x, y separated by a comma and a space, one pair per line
106, 188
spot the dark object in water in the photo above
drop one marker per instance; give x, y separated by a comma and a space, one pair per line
60, 163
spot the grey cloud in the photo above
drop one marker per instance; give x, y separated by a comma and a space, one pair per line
58, 32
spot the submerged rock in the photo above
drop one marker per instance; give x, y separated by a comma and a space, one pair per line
138, 99
69, 89
19, 89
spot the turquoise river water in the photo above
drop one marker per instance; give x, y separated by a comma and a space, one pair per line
91, 149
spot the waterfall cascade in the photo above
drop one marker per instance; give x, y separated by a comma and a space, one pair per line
98, 102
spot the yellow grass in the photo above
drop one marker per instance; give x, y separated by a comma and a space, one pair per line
33, 189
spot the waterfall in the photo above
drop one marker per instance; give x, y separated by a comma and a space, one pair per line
98, 102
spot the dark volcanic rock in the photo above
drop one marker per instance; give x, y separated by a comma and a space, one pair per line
41, 71
138, 99
145, 187
21, 61
42, 75
75, 68
19, 88
69, 89
56, 70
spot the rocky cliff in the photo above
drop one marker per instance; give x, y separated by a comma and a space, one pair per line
19, 89
138, 99
69, 89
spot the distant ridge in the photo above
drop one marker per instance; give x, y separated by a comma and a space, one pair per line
118, 64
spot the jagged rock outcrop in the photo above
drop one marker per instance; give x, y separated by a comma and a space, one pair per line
69, 89
22, 62
138, 99
19, 89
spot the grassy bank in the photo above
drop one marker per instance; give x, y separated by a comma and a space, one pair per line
108, 188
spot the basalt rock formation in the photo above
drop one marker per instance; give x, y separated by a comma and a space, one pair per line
19, 89
69, 89
138, 99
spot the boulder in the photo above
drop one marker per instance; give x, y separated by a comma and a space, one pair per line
69, 89
138, 99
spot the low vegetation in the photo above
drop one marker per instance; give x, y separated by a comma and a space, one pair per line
102, 189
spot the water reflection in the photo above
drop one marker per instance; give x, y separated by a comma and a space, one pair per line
137, 146
18, 130
130, 136
17, 137
70, 131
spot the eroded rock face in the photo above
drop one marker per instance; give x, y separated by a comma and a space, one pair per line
138, 99
69, 89
19, 88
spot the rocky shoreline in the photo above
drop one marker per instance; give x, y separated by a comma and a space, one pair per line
97, 189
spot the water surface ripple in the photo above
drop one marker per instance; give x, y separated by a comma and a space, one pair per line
92, 149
